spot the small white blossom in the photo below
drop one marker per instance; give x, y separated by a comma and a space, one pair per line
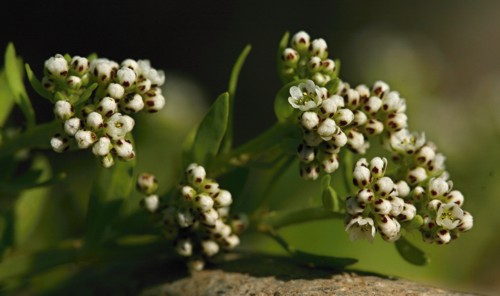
374, 127
364, 92
131, 64
144, 86
360, 118
309, 171
434, 205
378, 166
126, 76
94, 121
107, 161
301, 41
63, 110
290, 56
156, 77
209, 248
466, 222
455, 197
382, 206
80, 65
151, 203
392, 102
184, 247
384, 186
380, 88
372, 105
116, 91
365, 196
314, 64
209, 217
402, 188
188, 192
305, 96
356, 141
443, 236
102, 69
397, 205
328, 66
124, 149
203, 202
397, 121
327, 129
48, 84
362, 176
184, 218
74, 82
107, 106
425, 154
319, 48
59, 143
223, 198
339, 138
146, 183
119, 125
352, 98
57, 66
438, 187
196, 173
312, 138
408, 213
416, 175
353, 207
85, 138
309, 120
344, 116
102, 147
230, 242
404, 141
330, 106
361, 228
389, 228
449, 216
154, 103
132, 103
330, 163
72, 125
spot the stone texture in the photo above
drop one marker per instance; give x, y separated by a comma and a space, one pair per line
275, 276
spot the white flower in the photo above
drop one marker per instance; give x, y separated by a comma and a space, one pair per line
361, 228
196, 173
353, 207
330, 106
223, 198
372, 105
344, 116
188, 192
102, 69
305, 96
144, 86
203, 202
74, 82
339, 139
157, 78
397, 121
374, 127
416, 175
382, 206
309, 171
397, 205
466, 222
290, 56
443, 236
132, 103
425, 154
209, 248
210, 217
151, 203
59, 143
154, 103
94, 121
438, 187
380, 88
404, 141
327, 129
392, 102
63, 110
147, 183
230, 242
378, 166
301, 41
116, 91
107, 106
107, 161
408, 213
126, 76
389, 228
361, 176
328, 66
102, 147
402, 188
314, 64
57, 66
131, 64
309, 120
80, 65
312, 138
184, 247
455, 197
85, 139
449, 216
384, 186
118, 126
356, 141
365, 196
360, 118
124, 149
319, 48
72, 125
363, 91
352, 98
330, 163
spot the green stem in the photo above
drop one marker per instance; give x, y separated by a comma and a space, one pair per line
36, 137
348, 170
280, 219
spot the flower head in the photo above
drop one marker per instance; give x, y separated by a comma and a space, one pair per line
306, 96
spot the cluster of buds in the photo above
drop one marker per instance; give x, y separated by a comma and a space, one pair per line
197, 218
94, 98
346, 118
307, 59
380, 203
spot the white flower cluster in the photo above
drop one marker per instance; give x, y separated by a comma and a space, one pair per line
307, 59
197, 218
101, 121
347, 118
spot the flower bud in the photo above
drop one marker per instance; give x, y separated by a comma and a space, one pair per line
374, 127
380, 88
209, 217
378, 166
132, 103
230, 242
330, 163
339, 139
360, 118
397, 205
290, 57
80, 65
314, 64
203, 202
102, 147
455, 197
184, 247
309, 171
365, 196
352, 98
397, 121
402, 188
222, 198
382, 206
330, 106
195, 173
131, 64
327, 128
143, 86
147, 183
328, 66
364, 93
188, 193
408, 213
94, 121
343, 117
126, 76
63, 110
59, 143
107, 106
309, 120
361, 176
56, 66
466, 222
151, 203
372, 105
384, 186
72, 125
389, 228
319, 48
417, 175
116, 91
124, 149
392, 102
118, 126
107, 161
306, 153
425, 154
301, 41
74, 82
311, 138
85, 138
209, 248
154, 103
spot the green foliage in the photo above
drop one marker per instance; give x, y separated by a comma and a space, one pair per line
14, 73
210, 132
411, 253
36, 84
6, 99
329, 196
279, 62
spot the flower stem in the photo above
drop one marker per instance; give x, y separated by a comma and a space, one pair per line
279, 219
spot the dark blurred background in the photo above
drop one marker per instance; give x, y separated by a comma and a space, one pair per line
443, 56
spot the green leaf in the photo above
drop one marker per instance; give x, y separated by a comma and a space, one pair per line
36, 84
333, 85
279, 62
111, 187
6, 99
325, 182
337, 68
86, 94
211, 131
31, 203
13, 70
411, 253
282, 107
233, 82
330, 199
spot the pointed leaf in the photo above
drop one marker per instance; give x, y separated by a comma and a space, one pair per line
211, 131
6, 99
86, 94
279, 62
411, 253
282, 107
315, 260
233, 82
111, 187
330, 199
36, 84
333, 85
13, 70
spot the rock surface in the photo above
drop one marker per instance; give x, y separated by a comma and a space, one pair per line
276, 276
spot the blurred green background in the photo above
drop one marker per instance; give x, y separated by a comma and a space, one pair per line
442, 56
